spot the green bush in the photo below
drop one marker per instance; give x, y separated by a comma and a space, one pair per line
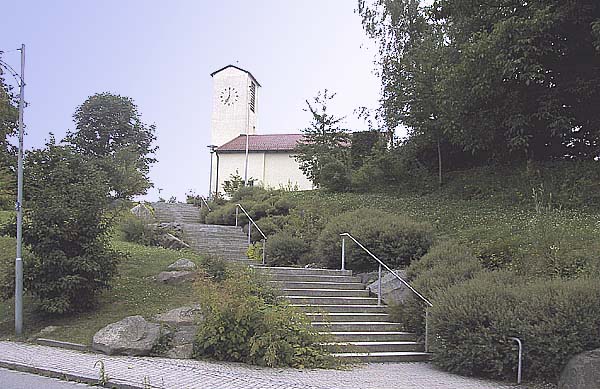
223, 215
244, 322
215, 268
284, 249
137, 231
554, 319
395, 239
66, 230
445, 265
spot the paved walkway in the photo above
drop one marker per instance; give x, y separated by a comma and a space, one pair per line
133, 372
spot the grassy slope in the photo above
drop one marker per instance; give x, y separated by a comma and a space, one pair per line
479, 224
134, 293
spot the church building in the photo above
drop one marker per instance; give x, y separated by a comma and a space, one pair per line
236, 148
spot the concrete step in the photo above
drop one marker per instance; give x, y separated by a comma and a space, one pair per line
372, 336
313, 278
348, 317
406, 356
318, 285
341, 308
325, 292
304, 271
356, 326
375, 347
316, 300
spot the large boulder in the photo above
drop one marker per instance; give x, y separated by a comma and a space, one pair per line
582, 371
143, 212
170, 241
175, 277
131, 336
182, 264
393, 291
182, 316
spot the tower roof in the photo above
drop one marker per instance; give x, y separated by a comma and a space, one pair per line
238, 68
267, 142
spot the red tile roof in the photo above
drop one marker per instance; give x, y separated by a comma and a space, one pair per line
269, 142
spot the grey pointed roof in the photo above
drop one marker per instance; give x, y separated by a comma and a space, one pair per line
238, 68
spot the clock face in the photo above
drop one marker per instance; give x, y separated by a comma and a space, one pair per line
229, 96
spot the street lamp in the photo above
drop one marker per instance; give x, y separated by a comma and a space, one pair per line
18, 205
212, 149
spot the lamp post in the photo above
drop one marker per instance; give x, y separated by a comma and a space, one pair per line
212, 149
19, 202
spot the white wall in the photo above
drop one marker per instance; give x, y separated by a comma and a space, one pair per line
228, 122
271, 170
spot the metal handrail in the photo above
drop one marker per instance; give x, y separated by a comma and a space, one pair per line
382, 264
264, 241
205, 203
387, 268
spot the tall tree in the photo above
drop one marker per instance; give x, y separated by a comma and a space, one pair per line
324, 141
519, 78
109, 128
66, 230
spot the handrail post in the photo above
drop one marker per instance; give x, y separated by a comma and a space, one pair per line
520, 358
379, 287
249, 231
426, 329
343, 253
237, 211
264, 250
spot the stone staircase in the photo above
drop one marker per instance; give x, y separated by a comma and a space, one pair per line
226, 242
337, 303
176, 212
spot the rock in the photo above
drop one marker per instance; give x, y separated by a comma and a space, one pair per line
143, 212
184, 351
582, 371
180, 316
175, 277
182, 264
131, 336
393, 291
367, 278
169, 241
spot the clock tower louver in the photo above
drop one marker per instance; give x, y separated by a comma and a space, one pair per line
235, 104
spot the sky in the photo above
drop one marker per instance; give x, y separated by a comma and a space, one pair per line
161, 54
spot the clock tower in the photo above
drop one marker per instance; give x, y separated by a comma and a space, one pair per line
235, 104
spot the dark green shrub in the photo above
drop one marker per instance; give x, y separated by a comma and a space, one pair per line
554, 319
284, 249
446, 264
137, 231
395, 239
246, 323
255, 193
224, 215
66, 230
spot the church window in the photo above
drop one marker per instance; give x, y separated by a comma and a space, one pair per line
252, 96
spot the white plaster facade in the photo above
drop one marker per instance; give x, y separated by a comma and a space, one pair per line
232, 113
273, 170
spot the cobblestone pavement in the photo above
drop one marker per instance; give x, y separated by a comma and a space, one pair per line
189, 374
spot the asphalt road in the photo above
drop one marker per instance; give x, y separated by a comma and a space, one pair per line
10, 379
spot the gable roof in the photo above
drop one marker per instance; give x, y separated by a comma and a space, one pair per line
238, 68
267, 142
